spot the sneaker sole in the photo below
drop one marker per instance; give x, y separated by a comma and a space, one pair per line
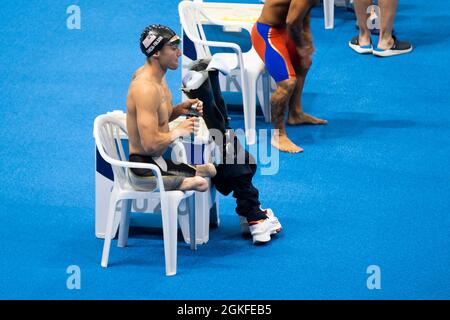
390, 53
277, 228
359, 49
264, 238
261, 239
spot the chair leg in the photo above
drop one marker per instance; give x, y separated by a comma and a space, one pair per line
265, 103
169, 221
203, 204
124, 226
183, 220
192, 231
109, 229
263, 94
249, 104
215, 212
328, 10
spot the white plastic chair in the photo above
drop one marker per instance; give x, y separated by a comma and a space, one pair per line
108, 132
252, 68
328, 12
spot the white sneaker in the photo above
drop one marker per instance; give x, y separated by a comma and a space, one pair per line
274, 220
244, 225
276, 225
261, 231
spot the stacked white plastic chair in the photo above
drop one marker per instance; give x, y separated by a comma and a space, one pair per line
252, 69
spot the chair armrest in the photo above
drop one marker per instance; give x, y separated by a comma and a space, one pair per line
221, 44
138, 165
236, 48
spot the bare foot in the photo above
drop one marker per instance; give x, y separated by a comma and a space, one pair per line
283, 143
195, 183
301, 118
206, 170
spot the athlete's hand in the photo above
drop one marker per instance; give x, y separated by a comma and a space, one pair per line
186, 106
185, 128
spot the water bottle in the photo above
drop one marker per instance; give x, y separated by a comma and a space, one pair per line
193, 113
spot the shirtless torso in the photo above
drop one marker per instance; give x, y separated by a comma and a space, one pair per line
275, 12
159, 93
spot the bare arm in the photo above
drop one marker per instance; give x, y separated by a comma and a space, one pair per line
295, 21
185, 107
153, 141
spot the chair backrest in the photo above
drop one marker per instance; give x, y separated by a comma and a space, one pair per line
191, 16
109, 131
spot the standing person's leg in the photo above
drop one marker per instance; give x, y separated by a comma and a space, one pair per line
279, 105
270, 44
302, 66
388, 45
362, 17
296, 114
388, 9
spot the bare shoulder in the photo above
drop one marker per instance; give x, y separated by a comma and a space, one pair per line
277, 3
145, 93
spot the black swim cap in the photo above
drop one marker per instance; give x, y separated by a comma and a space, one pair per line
154, 37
